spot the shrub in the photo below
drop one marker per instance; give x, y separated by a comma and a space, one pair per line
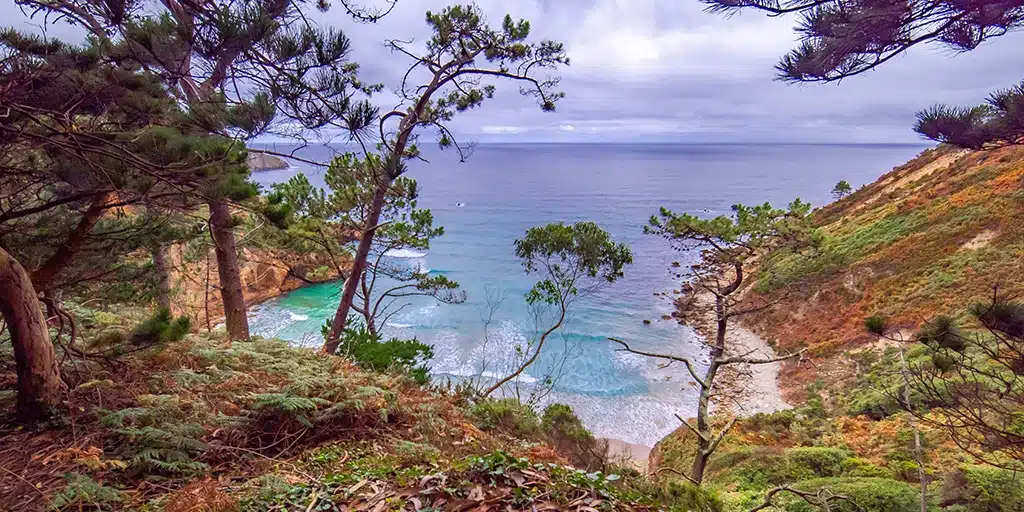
684, 496
773, 424
984, 489
506, 415
755, 468
874, 403
872, 494
368, 351
161, 327
566, 433
818, 460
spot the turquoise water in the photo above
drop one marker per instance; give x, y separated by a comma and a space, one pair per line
502, 190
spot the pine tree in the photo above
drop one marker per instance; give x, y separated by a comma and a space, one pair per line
843, 38
324, 219
238, 66
463, 51
83, 135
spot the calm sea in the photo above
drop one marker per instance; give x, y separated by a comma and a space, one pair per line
503, 189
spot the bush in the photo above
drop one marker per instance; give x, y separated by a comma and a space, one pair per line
872, 494
817, 460
566, 433
506, 415
161, 327
368, 351
984, 489
684, 496
875, 404
760, 467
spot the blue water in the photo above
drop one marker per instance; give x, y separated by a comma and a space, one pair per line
508, 188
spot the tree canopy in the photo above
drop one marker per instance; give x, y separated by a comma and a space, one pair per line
843, 38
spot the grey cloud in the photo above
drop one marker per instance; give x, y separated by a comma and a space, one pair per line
666, 70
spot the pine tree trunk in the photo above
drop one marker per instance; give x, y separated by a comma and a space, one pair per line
700, 458
39, 384
228, 270
44, 276
163, 273
358, 266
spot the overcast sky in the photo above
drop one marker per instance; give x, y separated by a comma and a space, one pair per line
664, 70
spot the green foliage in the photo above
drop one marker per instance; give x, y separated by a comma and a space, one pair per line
566, 255
984, 489
368, 351
506, 415
839, 249
873, 403
683, 496
460, 30
297, 407
876, 325
158, 437
872, 494
757, 468
82, 492
942, 332
161, 327
842, 189
567, 434
749, 226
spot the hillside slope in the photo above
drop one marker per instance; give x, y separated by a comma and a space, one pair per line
930, 237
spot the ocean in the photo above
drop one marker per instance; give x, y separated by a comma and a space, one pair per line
501, 190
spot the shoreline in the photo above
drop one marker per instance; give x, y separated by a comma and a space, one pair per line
751, 389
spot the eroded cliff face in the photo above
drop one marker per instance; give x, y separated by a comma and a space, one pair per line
265, 274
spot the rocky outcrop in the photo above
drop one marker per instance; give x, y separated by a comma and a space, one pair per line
264, 162
265, 275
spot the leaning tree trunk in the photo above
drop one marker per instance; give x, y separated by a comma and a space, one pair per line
44, 276
39, 384
163, 274
704, 442
355, 275
703, 453
222, 230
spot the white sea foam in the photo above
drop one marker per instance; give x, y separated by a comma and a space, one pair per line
400, 326
404, 253
297, 317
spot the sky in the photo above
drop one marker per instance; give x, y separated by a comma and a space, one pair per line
666, 71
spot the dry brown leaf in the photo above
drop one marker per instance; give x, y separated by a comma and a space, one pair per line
477, 494
354, 488
518, 478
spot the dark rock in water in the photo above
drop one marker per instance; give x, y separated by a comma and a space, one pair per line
264, 162
666, 317
647, 322
675, 263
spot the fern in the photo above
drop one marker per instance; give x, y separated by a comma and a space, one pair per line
298, 407
156, 436
82, 491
